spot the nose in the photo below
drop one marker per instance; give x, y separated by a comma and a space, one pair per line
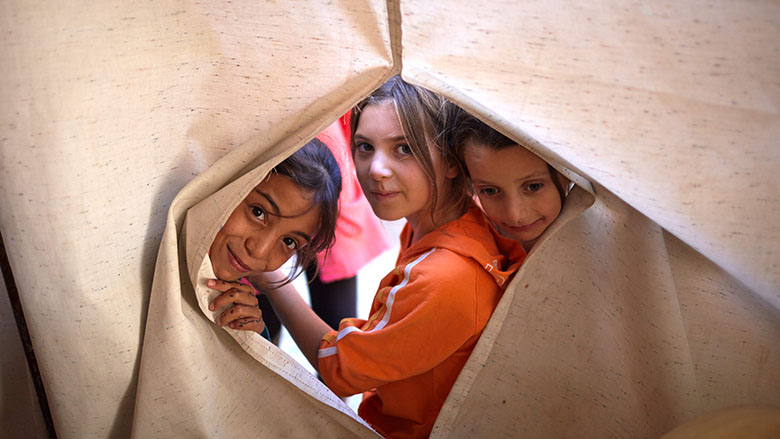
259, 247
518, 210
379, 169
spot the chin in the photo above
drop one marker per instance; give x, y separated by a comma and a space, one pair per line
222, 274
387, 215
508, 234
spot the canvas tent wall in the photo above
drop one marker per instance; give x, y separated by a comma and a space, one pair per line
631, 317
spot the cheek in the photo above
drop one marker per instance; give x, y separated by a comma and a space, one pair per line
493, 209
217, 240
235, 224
415, 173
552, 205
275, 260
362, 173
361, 169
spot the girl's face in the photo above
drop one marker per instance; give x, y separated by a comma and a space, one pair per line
515, 189
272, 222
393, 181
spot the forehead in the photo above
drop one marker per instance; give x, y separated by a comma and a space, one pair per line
379, 120
484, 162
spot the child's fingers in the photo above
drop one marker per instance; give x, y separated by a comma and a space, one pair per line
248, 324
234, 297
223, 285
239, 294
238, 312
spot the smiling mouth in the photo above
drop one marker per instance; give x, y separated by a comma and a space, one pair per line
519, 229
382, 196
237, 263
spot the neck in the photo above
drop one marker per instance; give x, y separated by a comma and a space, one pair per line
422, 223
528, 245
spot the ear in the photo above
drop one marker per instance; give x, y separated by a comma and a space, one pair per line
452, 171
564, 182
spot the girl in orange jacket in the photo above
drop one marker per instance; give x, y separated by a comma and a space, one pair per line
430, 310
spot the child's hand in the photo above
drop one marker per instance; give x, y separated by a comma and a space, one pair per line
242, 312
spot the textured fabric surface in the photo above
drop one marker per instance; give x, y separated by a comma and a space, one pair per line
109, 110
654, 299
734, 423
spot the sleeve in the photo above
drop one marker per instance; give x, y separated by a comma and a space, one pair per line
424, 318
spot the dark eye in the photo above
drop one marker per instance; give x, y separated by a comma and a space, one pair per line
291, 243
534, 187
258, 212
364, 147
404, 149
489, 191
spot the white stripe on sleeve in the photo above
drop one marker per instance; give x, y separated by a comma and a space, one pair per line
389, 305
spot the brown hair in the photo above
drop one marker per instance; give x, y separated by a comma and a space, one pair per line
314, 169
426, 118
468, 128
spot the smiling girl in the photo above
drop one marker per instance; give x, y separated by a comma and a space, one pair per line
430, 310
292, 212
520, 193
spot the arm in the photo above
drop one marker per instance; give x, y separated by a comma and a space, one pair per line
306, 327
417, 326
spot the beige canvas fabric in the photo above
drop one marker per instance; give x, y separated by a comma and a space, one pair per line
654, 298
109, 110
733, 423
671, 276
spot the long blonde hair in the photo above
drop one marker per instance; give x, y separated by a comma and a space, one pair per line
426, 118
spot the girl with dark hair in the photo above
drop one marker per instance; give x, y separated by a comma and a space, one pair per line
291, 212
359, 238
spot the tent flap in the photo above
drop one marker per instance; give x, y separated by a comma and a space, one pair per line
657, 303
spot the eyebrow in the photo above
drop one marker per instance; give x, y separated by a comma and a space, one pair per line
306, 237
274, 206
399, 138
276, 212
531, 176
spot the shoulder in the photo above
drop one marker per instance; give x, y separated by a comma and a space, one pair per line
445, 269
455, 286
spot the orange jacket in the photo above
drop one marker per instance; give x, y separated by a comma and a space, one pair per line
425, 320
